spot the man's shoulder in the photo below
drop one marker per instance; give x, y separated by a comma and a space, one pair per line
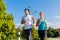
31, 16
23, 16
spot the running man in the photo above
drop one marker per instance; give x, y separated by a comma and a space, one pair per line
28, 21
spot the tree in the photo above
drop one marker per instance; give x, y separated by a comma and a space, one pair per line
49, 32
52, 32
34, 32
7, 26
56, 33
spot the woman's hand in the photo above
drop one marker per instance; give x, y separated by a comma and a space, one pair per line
37, 23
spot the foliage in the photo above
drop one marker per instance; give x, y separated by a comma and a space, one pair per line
7, 26
53, 32
50, 33
34, 32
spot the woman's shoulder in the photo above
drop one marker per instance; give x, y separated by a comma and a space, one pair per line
38, 19
45, 19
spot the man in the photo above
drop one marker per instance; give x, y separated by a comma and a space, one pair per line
28, 21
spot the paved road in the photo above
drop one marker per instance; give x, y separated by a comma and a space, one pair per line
54, 38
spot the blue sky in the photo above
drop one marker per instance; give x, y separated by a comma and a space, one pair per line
51, 9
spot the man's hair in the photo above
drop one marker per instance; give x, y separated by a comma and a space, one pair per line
28, 10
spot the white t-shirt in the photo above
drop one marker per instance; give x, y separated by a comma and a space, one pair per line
29, 22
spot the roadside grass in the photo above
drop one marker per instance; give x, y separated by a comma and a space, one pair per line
25, 39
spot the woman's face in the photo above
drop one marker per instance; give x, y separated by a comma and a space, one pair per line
27, 12
41, 14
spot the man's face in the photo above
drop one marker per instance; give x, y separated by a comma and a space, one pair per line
27, 12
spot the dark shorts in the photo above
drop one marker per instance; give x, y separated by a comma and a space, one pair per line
42, 34
27, 33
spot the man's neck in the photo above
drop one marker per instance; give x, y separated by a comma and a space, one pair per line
26, 15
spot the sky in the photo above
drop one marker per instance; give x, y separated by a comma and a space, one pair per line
51, 9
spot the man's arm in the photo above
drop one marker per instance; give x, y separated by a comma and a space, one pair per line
22, 21
33, 19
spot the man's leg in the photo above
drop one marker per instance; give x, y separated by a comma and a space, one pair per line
42, 38
27, 34
30, 34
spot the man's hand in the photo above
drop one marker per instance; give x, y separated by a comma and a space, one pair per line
33, 19
23, 21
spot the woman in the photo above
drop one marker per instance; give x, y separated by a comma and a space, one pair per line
28, 21
42, 26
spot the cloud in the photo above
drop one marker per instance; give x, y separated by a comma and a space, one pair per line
50, 23
54, 25
58, 17
17, 25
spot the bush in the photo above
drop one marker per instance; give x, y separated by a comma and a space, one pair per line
36, 39
7, 26
52, 32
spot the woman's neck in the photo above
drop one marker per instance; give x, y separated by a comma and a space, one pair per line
41, 18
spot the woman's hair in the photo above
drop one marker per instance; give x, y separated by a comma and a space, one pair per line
41, 12
28, 10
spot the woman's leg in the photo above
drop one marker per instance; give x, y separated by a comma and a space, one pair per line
39, 35
44, 35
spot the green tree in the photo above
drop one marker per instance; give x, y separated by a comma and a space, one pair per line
21, 30
49, 32
56, 33
7, 26
34, 32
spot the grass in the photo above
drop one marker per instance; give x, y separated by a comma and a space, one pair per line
15, 39
34, 39
25, 39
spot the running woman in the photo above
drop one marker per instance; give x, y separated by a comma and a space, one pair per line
42, 26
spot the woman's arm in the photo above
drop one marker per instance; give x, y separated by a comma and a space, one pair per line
37, 23
46, 24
